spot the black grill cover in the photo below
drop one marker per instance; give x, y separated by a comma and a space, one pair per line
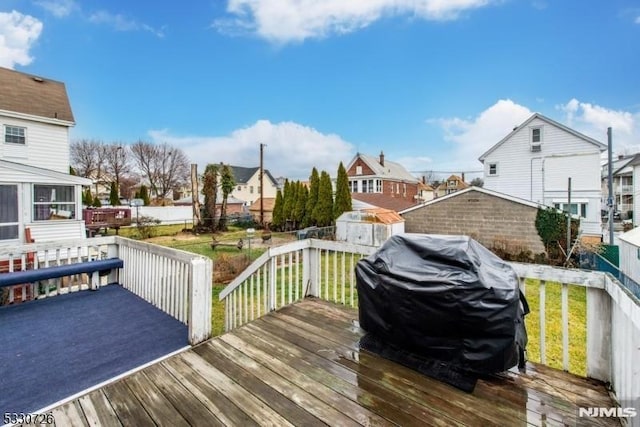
445, 298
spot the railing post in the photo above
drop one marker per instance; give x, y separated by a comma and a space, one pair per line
310, 263
200, 300
598, 334
271, 298
113, 251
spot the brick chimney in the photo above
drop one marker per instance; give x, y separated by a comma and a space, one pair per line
462, 176
620, 156
381, 158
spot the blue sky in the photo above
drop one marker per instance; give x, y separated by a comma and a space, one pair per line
431, 83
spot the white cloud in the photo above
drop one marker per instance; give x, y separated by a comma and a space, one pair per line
120, 22
473, 136
59, 8
292, 149
593, 120
18, 33
283, 21
637, 20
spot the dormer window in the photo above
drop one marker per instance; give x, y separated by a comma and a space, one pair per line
15, 135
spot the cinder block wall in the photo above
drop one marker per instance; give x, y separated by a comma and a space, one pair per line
491, 220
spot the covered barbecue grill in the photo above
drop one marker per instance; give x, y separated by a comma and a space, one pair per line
444, 305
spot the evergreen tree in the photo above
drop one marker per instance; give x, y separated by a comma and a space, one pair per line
227, 183
301, 202
312, 199
87, 198
144, 195
97, 203
114, 200
277, 220
343, 195
287, 198
323, 211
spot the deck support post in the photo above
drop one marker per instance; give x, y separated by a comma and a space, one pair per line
271, 298
113, 251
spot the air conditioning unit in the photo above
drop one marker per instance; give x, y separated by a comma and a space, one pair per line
536, 148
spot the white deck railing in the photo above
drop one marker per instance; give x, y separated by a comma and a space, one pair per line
325, 269
177, 282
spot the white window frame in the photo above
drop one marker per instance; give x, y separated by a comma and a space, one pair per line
495, 167
378, 186
536, 146
15, 224
358, 170
53, 210
23, 136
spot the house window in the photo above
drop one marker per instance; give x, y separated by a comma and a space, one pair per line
575, 209
536, 135
452, 183
404, 190
52, 202
251, 189
358, 170
493, 169
239, 187
370, 186
9, 212
353, 186
15, 135
378, 186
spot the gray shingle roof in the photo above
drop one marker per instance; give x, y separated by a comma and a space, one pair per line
243, 174
33, 95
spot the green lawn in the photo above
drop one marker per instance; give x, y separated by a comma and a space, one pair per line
553, 328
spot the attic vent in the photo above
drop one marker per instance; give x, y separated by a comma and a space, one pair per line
38, 79
536, 148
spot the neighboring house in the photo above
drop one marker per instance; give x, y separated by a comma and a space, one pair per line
534, 162
450, 185
248, 184
496, 220
425, 192
371, 175
622, 174
36, 189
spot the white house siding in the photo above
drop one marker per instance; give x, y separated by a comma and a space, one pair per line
47, 145
629, 251
541, 177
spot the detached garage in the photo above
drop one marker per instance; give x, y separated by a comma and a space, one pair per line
496, 220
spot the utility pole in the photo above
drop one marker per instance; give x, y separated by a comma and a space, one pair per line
262, 183
610, 184
195, 197
569, 219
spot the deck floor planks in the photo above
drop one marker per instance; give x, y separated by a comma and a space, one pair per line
542, 399
420, 392
182, 399
224, 409
325, 372
156, 404
316, 344
301, 365
283, 396
98, 410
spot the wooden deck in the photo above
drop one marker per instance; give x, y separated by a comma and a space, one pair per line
302, 366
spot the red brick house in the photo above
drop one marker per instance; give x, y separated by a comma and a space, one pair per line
368, 174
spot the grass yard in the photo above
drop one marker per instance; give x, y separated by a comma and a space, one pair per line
553, 329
